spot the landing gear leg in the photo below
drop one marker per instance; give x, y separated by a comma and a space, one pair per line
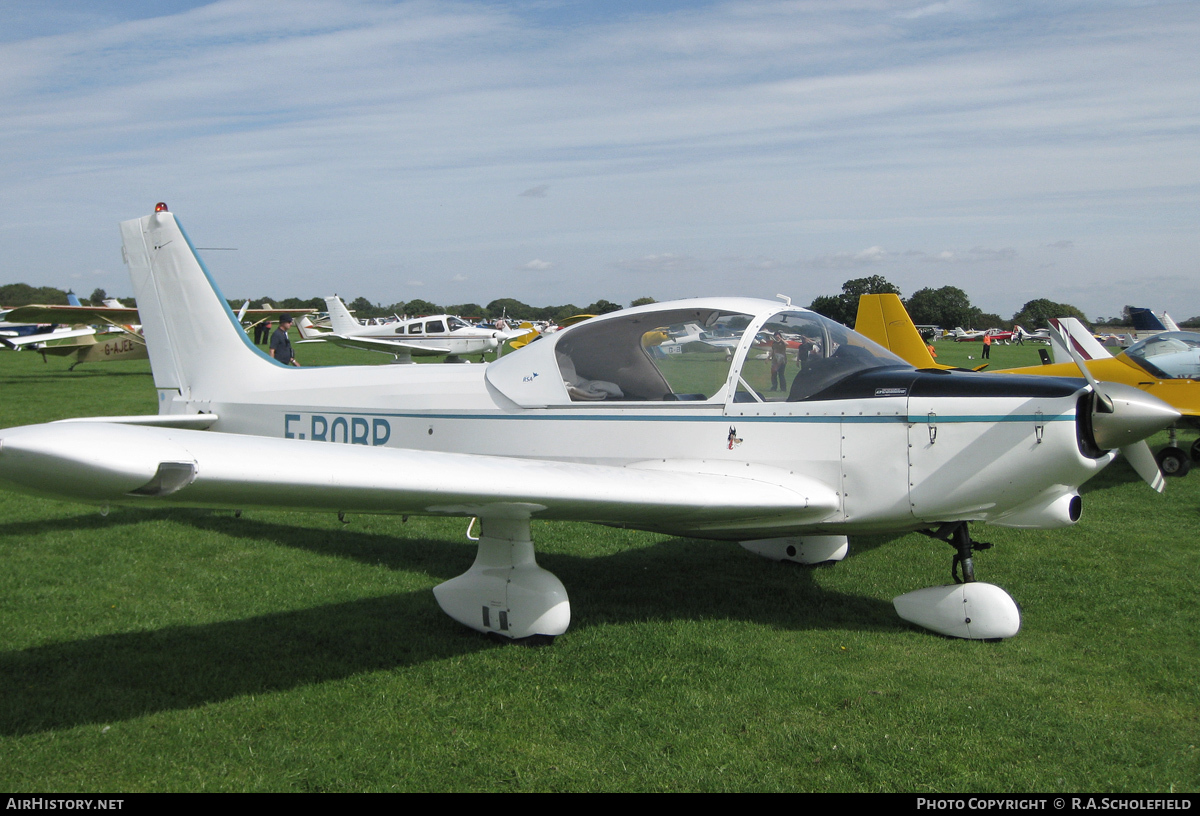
965, 546
958, 536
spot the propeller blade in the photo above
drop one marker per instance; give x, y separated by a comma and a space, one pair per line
1123, 417
1143, 462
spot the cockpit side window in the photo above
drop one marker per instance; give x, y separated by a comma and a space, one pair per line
672, 355
797, 355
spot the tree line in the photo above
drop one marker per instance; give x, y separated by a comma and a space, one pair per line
947, 306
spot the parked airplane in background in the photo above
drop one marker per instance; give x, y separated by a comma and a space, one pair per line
1147, 322
431, 336
883, 319
1166, 364
31, 327
68, 337
997, 335
686, 445
1020, 335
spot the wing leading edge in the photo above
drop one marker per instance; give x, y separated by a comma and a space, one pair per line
127, 464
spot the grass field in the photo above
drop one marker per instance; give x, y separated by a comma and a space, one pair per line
197, 651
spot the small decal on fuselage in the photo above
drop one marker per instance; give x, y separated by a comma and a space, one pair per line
353, 430
734, 439
890, 392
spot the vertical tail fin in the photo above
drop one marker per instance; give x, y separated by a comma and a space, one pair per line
340, 319
1077, 334
196, 346
307, 330
882, 318
1145, 320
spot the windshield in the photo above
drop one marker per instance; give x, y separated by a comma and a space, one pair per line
797, 355
1170, 355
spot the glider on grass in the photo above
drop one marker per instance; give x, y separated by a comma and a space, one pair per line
587, 425
118, 338
67, 336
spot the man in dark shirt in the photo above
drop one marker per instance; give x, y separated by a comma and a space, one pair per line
778, 362
281, 347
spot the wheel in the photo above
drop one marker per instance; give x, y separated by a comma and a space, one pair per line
1173, 462
1196, 451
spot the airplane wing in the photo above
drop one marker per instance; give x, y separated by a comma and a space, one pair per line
380, 344
116, 315
74, 314
107, 462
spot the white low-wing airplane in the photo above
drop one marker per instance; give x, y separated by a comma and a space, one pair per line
586, 425
431, 336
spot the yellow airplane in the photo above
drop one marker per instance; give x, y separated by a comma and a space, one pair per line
883, 319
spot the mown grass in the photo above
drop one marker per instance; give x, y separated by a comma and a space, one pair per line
197, 651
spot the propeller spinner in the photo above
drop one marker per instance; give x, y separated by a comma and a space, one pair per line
1124, 417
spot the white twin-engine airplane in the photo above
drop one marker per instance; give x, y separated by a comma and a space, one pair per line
587, 425
422, 337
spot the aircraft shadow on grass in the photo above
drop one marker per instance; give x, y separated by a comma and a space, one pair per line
123, 676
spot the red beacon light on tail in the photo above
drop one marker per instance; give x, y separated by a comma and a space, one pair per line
161, 207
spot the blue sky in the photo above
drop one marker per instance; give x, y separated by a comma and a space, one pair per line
567, 151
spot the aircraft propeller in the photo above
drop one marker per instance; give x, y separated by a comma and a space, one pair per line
1123, 417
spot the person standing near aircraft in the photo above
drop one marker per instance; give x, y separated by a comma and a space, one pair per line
803, 350
778, 362
987, 347
281, 346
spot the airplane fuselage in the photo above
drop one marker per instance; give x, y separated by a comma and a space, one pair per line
912, 449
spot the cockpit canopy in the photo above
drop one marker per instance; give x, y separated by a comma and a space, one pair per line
1169, 355
690, 351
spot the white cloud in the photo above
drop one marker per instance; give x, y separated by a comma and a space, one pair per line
660, 263
537, 265
849, 260
348, 138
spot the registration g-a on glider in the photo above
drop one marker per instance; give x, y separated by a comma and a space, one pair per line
587, 425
